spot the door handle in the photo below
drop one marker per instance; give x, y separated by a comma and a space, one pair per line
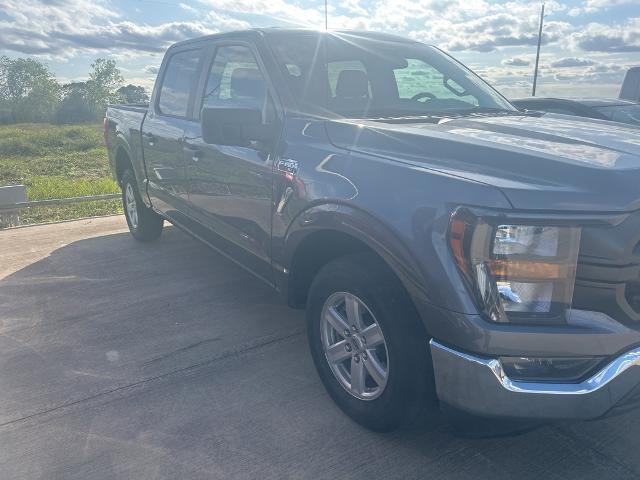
195, 153
150, 138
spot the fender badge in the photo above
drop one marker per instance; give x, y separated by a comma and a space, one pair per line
288, 165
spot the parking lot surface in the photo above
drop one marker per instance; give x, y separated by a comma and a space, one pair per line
124, 360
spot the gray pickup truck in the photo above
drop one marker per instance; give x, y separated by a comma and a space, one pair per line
449, 250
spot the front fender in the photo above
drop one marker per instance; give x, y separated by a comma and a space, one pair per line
363, 227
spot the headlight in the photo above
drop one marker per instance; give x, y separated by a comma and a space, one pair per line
517, 273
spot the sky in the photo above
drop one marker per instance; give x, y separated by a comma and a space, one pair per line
587, 46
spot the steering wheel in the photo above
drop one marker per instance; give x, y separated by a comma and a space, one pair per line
420, 96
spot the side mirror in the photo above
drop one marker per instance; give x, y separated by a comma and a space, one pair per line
234, 126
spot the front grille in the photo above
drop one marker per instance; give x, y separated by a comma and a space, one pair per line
632, 294
608, 277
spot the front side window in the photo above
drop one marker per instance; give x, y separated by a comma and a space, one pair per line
363, 76
235, 80
418, 80
178, 83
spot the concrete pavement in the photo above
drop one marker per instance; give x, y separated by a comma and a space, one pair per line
124, 360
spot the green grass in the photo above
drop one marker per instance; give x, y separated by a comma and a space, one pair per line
57, 161
40, 187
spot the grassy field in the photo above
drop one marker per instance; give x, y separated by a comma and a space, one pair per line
57, 161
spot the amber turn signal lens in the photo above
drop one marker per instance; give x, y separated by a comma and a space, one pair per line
526, 270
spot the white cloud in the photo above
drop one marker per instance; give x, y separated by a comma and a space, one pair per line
596, 37
516, 62
62, 29
188, 8
225, 22
277, 9
568, 62
593, 6
492, 26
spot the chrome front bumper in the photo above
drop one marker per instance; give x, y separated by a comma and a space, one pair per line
479, 386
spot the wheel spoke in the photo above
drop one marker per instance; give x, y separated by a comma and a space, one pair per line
353, 311
358, 375
131, 206
373, 335
376, 370
337, 352
336, 321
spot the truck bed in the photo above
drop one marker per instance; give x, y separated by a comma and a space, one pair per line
132, 107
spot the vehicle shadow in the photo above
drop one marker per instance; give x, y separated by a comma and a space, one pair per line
107, 310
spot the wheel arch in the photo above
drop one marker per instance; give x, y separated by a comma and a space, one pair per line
327, 231
122, 162
125, 158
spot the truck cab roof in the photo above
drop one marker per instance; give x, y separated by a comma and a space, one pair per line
252, 33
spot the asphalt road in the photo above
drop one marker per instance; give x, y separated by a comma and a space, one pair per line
122, 360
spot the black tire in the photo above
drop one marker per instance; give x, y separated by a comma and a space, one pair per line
147, 227
410, 388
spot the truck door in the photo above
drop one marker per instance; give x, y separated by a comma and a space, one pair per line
231, 186
163, 129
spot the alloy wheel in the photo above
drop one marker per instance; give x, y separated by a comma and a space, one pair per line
354, 346
131, 206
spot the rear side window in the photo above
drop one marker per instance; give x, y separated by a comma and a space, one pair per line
178, 83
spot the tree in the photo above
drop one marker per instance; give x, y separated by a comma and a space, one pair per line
28, 91
133, 94
75, 106
103, 84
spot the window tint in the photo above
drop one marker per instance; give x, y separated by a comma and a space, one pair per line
336, 69
418, 77
179, 79
361, 76
235, 80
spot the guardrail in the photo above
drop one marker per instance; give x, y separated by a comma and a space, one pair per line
58, 201
13, 199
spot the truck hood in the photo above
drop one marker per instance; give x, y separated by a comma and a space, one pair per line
549, 162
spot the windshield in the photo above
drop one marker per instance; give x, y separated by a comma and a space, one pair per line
622, 113
359, 76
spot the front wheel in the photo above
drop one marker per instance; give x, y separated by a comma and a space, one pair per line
368, 345
144, 224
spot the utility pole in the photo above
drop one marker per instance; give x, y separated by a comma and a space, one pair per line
535, 74
326, 16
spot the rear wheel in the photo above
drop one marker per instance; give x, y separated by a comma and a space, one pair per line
144, 224
368, 345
